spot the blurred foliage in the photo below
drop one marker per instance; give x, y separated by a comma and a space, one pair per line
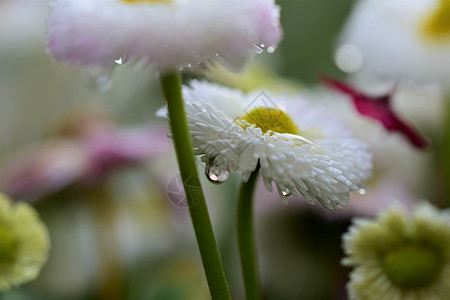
301, 250
311, 28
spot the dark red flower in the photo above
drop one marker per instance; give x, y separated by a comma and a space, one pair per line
379, 108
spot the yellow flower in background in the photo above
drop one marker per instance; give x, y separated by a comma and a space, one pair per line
437, 25
399, 257
24, 243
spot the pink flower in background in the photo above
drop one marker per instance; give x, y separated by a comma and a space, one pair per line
85, 159
379, 109
109, 148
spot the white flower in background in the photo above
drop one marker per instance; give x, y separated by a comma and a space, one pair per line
24, 244
379, 109
400, 257
166, 34
398, 168
398, 40
304, 150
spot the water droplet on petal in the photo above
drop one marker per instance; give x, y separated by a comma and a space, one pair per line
362, 191
98, 77
258, 50
271, 49
121, 60
216, 173
286, 192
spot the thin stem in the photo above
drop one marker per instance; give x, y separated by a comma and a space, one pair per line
247, 248
206, 241
103, 212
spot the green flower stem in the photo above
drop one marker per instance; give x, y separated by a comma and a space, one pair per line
104, 214
212, 264
247, 248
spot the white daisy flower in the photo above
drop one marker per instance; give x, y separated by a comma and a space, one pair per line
398, 40
304, 150
400, 257
167, 34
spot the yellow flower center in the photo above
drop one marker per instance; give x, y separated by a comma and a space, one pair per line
8, 247
412, 266
268, 119
151, 1
437, 25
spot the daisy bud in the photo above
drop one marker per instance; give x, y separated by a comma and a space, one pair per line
24, 244
400, 257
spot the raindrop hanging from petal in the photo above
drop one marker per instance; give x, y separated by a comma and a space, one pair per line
286, 192
216, 173
258, 49
121, 60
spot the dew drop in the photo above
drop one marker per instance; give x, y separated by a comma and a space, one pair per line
270, 49
97, 77
121, 60
286, 192
258, 50
216, 173
362, 191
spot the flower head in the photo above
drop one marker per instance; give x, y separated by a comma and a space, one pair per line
379, 109
304, 150
402, 39
24, 244
166, 34
396, 257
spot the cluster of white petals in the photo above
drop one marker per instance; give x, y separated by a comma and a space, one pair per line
400, 256
164, 34
325, 162
392, 39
